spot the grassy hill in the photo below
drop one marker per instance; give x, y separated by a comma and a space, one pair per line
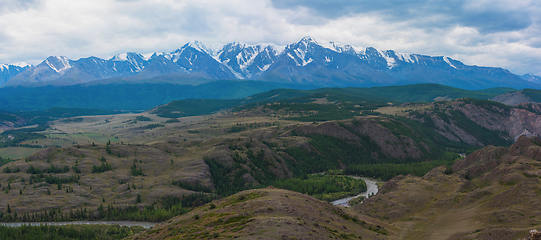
533, 94
87, 176
270, 214
375, 96
492, 192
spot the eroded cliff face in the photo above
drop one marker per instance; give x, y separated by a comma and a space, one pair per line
395, 146
6, 125
512, 98
513, 121
453, 132
391, 145
507, 122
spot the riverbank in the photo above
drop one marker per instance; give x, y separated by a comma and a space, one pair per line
372, 189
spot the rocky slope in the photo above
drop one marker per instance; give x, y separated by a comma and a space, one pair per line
492, 191
508, 122
512, 98
10, 120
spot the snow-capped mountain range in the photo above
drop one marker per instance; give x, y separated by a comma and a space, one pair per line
305, 62
8, 71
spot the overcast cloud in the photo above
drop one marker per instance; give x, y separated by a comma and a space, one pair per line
496, 33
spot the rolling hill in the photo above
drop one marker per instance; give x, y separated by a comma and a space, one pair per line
492, 192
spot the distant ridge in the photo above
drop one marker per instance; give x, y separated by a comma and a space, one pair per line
144, 96
307, 62
8, 71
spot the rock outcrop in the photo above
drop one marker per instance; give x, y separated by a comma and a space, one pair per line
534, 235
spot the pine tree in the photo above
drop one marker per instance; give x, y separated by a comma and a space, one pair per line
108, 149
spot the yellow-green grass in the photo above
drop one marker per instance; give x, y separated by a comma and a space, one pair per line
500, 200
271, 214
399, 110
17, 152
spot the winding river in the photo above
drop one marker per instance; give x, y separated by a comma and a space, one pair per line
372, 189
121, 223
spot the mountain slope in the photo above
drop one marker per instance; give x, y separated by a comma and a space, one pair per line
309, 62
374, 95
142, 94
8, 71
526, 98
63, 71
493, 192
531, 78
247, 61
306, 62
269, 214
126, 95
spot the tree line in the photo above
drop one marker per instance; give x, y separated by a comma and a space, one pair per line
171, 206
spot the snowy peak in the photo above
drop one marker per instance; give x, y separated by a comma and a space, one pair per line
342, 48
247, 61
308, 40
305, 44
311, 43
531, 78
58, 64
20, 64
159, 54
14, 67
306, 61
8, 71
199, 46
407, 57
189, 53
393, 59
238, 53
301, 53
275, 49
135, 59
129, 56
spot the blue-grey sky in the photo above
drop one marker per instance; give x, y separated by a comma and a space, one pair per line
495, 33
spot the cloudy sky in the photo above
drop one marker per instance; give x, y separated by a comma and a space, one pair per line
496, 33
